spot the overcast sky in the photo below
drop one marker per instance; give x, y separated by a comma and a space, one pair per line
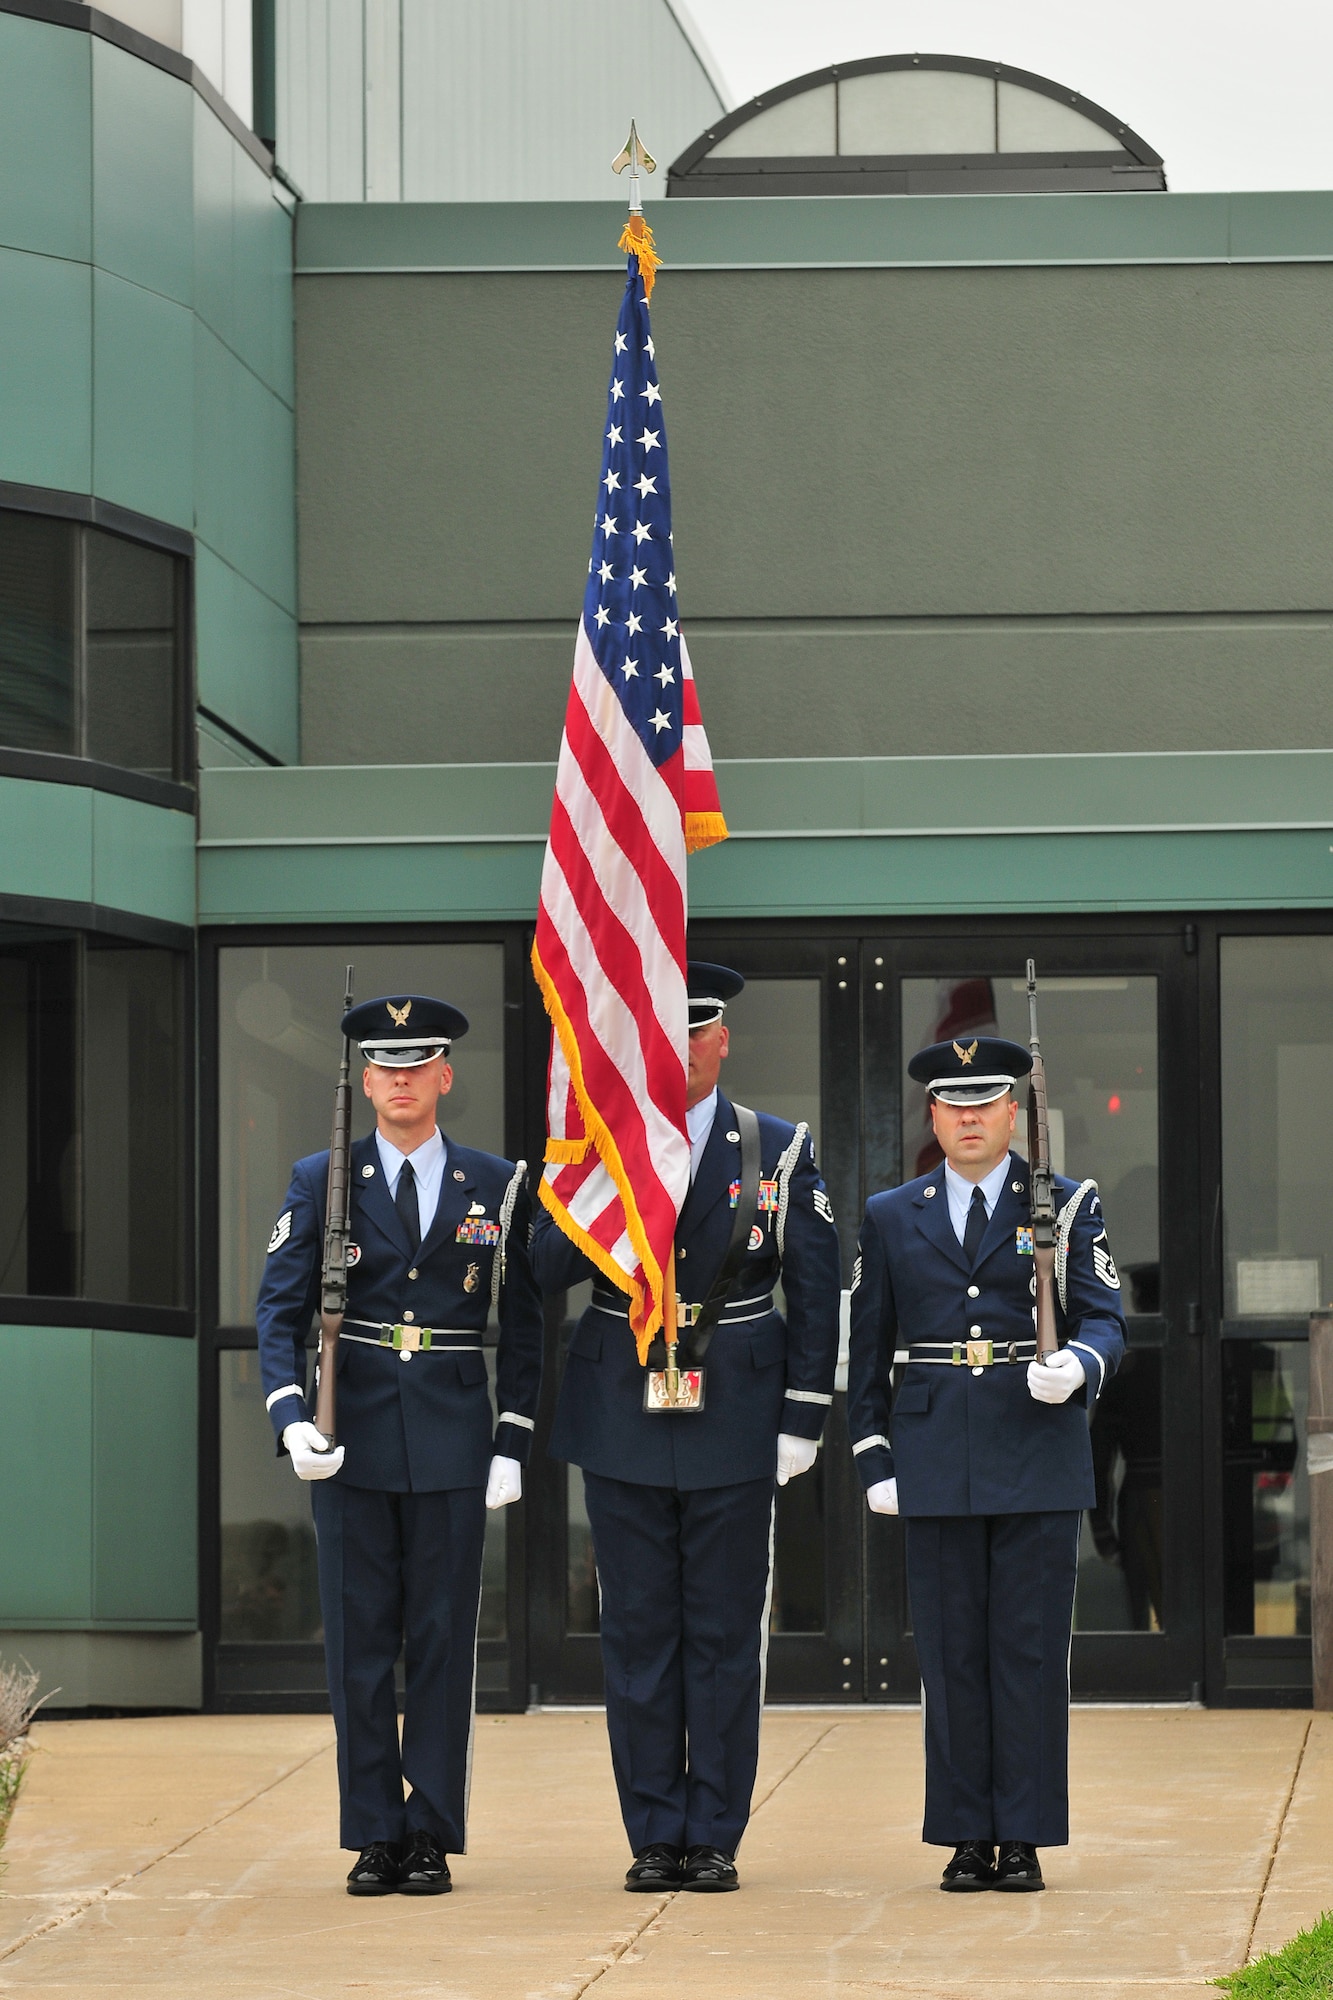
1232, 96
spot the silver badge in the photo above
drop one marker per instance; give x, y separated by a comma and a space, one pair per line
459, 1175
1017, 1186
477, 1208
733, 1138
929, 1193
367, 1173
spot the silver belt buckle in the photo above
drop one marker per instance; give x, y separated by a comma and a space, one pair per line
981, 1353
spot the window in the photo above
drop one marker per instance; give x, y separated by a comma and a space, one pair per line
92, 645
93, 1184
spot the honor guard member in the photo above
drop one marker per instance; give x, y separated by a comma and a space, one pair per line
986, 1454
681, 1501
439, 1233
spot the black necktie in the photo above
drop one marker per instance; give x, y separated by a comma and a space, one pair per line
976, 1225
405, 1201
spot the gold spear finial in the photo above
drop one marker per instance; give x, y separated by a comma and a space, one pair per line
634, 154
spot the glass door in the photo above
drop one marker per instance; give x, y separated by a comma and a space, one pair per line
1121, 1114
795, 1046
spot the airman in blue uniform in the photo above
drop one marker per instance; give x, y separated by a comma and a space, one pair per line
985, 1452
439, 1233
681, 1502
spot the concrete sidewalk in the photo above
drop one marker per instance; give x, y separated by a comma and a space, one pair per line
195, 1856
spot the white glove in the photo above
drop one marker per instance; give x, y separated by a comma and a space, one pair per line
795, 1456
311, 1457
1055, 1381
882, 1497
505, 1484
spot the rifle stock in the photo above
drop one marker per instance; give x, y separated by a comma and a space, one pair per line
337, 1231
1042, 1184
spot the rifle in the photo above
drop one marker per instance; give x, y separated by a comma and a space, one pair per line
337, 1232
1042, 1184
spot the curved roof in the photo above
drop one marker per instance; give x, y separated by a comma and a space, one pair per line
916, 124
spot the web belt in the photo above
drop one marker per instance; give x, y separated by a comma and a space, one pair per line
973, 1354
733, 1314
415, 1339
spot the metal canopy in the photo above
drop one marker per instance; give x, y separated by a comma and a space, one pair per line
917, 124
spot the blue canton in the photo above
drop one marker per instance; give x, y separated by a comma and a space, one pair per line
629, 608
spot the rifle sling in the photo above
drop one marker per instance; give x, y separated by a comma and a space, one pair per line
701, 1333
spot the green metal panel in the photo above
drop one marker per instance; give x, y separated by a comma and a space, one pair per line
45, 162
262, 323
46, 838
144, 1500
246, 656
214, 283
143, 858
143, 400
922, 875
822, 231
1161, 449
243, 459
46, 1393
143, 227
46, 380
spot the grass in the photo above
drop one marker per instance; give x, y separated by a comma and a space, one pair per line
1302, 1969
18, 1705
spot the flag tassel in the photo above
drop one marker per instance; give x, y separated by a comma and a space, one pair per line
636, 238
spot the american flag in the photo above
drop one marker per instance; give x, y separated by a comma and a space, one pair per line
634, 793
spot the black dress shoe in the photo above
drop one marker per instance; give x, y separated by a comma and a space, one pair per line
376, 1873
1018, 1867
423, 1870
653, 1869
709, 1870
972, 1867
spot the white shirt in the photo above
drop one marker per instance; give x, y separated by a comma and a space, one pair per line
960, 1194
699, 1123
428, 1166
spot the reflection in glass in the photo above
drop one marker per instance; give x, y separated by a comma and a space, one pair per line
270, 1582
582, 1604
1266, 1499
38, 637
1277, 1107
1120, 1552
1099, 1036
278, 1054
93, 1178
270, 1588
130, 710
798, 1554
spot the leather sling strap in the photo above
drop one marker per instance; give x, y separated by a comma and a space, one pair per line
696, 1338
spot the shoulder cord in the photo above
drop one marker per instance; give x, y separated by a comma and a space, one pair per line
506, 1218
786, 1167
1064, 1224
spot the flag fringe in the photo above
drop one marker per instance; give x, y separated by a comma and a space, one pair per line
637, 238
703, 830
566, 1152
649, 1310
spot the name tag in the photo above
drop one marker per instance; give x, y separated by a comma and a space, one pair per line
475, 1229
1023, 1242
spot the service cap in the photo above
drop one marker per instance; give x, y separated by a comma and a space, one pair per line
709, 987
404, 1030
975, 1070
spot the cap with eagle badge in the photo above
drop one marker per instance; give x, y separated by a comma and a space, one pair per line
976, 1070
404, 1031
709, 988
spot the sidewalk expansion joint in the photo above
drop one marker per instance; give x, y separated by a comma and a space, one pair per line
89, 1899
1277, 1842
617, 1952
794, 1766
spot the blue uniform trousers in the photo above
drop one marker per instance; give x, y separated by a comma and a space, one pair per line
684, 1580
992, 1599
401, 1571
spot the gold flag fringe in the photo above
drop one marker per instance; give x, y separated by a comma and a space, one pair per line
637, 238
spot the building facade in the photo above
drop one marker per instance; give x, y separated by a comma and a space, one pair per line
1002, 536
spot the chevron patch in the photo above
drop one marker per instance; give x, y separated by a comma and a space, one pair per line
282, 1229
823, 1206
1103, 1263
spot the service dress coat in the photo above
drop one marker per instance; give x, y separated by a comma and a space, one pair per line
765, 1372
411, 1422
963, 1440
